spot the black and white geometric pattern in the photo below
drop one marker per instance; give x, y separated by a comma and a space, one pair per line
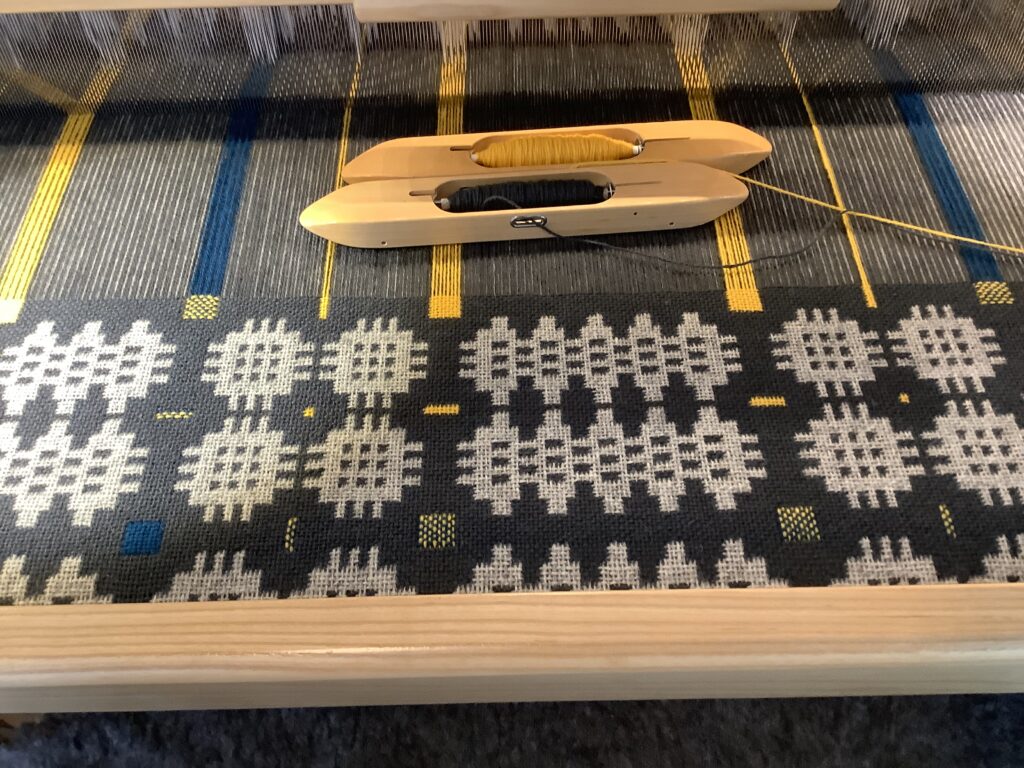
270, 454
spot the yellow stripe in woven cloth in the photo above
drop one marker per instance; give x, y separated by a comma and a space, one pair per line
34, 232
741, 293
446, 260
826, 164
346, 123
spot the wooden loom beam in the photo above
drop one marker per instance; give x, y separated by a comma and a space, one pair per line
507, 647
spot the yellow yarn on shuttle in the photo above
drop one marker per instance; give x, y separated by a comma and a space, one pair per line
566, 148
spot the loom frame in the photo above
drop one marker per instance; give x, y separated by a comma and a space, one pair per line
717, 643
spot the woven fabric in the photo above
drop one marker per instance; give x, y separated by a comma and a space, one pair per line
200, 400
608, 444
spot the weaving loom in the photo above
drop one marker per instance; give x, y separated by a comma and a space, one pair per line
203, 401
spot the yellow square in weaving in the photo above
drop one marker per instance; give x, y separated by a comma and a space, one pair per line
798, 524
993, 292
437, 531
201, 307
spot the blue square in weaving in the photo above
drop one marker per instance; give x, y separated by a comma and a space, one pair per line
142, 537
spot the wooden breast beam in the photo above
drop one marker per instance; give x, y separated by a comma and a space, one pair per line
700, 643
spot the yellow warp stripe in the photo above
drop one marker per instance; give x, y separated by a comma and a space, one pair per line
34, 232
30, 241
445, 281
346, 123
741, 293
826, 163
446, 260
441, 409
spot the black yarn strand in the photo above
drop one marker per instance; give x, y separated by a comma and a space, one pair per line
525, 194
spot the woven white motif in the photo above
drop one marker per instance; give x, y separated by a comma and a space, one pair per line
860, 456
951, 351
1006, 563
92, 476
676, 571
123, 370
560, 572
886, 568
501, 574
235, 469
618, 571
831, 353
353, 579
497, 462
363, 465
68, 585
983, 450
252, 366
216, 582
371, 363
736, 569
499, 356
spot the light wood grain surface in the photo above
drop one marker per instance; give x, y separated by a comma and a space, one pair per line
597, 645
401, 212
715, 143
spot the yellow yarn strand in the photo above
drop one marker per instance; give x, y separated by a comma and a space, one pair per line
882, 219
563, 149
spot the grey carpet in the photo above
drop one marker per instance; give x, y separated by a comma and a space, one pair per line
938, 732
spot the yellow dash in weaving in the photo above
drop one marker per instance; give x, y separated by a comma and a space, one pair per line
947, 520
444, 409
289, 534
173, 415
767, 401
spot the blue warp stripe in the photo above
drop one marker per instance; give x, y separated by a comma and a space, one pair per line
226, 195
980, 262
